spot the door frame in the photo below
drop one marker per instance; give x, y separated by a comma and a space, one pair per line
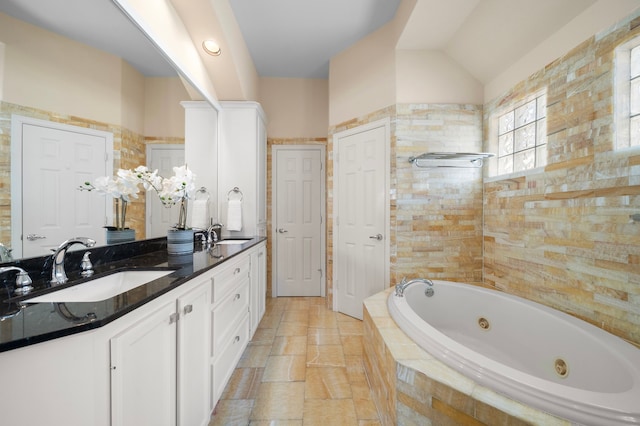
386, 123
323, 202
17, 123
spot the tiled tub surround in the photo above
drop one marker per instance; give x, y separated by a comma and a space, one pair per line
412, 387
527, 351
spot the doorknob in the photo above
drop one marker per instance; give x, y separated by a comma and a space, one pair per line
282, 230
33, 237
378, 237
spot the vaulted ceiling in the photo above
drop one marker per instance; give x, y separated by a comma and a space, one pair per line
292, 38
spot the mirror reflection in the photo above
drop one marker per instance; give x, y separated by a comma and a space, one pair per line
71, 112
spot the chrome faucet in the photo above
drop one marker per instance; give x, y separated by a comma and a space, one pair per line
213, 232
58, 275
210, 235
23, 281
404, 284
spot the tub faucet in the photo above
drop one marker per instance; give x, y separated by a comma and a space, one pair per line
23, 281
58, 275
404, 284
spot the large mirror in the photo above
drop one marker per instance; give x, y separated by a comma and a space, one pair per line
59, 63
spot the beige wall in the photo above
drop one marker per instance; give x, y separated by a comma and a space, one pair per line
362, 78
431, 76
132, 98
163, 114
295, 107
46, 71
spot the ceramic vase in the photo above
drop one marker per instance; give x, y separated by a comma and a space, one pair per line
180, 241
115, 236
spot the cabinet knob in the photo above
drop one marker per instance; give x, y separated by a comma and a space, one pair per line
237, 296
188, 309
173, 318
237, 339
237, 271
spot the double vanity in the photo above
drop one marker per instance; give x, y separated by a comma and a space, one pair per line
160, 352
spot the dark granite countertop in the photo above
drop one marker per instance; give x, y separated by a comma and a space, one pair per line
26, 324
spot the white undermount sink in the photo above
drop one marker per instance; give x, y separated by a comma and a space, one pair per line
101, 288
238, 241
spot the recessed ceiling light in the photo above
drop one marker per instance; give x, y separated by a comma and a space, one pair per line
211, 47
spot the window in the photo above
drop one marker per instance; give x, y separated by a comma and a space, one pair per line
627, 99
522, 137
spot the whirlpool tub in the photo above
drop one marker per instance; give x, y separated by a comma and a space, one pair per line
526, 351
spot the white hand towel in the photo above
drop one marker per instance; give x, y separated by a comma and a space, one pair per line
200, 214
234, 215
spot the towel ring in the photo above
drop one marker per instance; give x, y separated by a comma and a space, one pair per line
236, 191
202, 193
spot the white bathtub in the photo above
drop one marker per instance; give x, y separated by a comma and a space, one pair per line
514, 347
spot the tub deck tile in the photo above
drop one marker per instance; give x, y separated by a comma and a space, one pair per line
419, 389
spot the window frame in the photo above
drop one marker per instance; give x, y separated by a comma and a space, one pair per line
540, 125
622, 96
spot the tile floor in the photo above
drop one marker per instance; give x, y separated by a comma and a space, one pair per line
303, 367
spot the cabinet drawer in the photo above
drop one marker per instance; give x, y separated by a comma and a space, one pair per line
230, 276
227, 314
230, 355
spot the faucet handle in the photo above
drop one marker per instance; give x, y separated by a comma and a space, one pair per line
23, 280
86, 265
23, 283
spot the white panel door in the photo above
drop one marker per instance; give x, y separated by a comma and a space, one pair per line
362, 216
298, 222
160, 218
55, 163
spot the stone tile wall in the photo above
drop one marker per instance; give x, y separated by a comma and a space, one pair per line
439, 210
129, 152
562, 235
435, 214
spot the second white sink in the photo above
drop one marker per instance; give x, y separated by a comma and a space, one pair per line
225, 242
101, 288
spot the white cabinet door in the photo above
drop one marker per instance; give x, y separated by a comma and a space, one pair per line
143, 371
194, 332
258, 285
242, 165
